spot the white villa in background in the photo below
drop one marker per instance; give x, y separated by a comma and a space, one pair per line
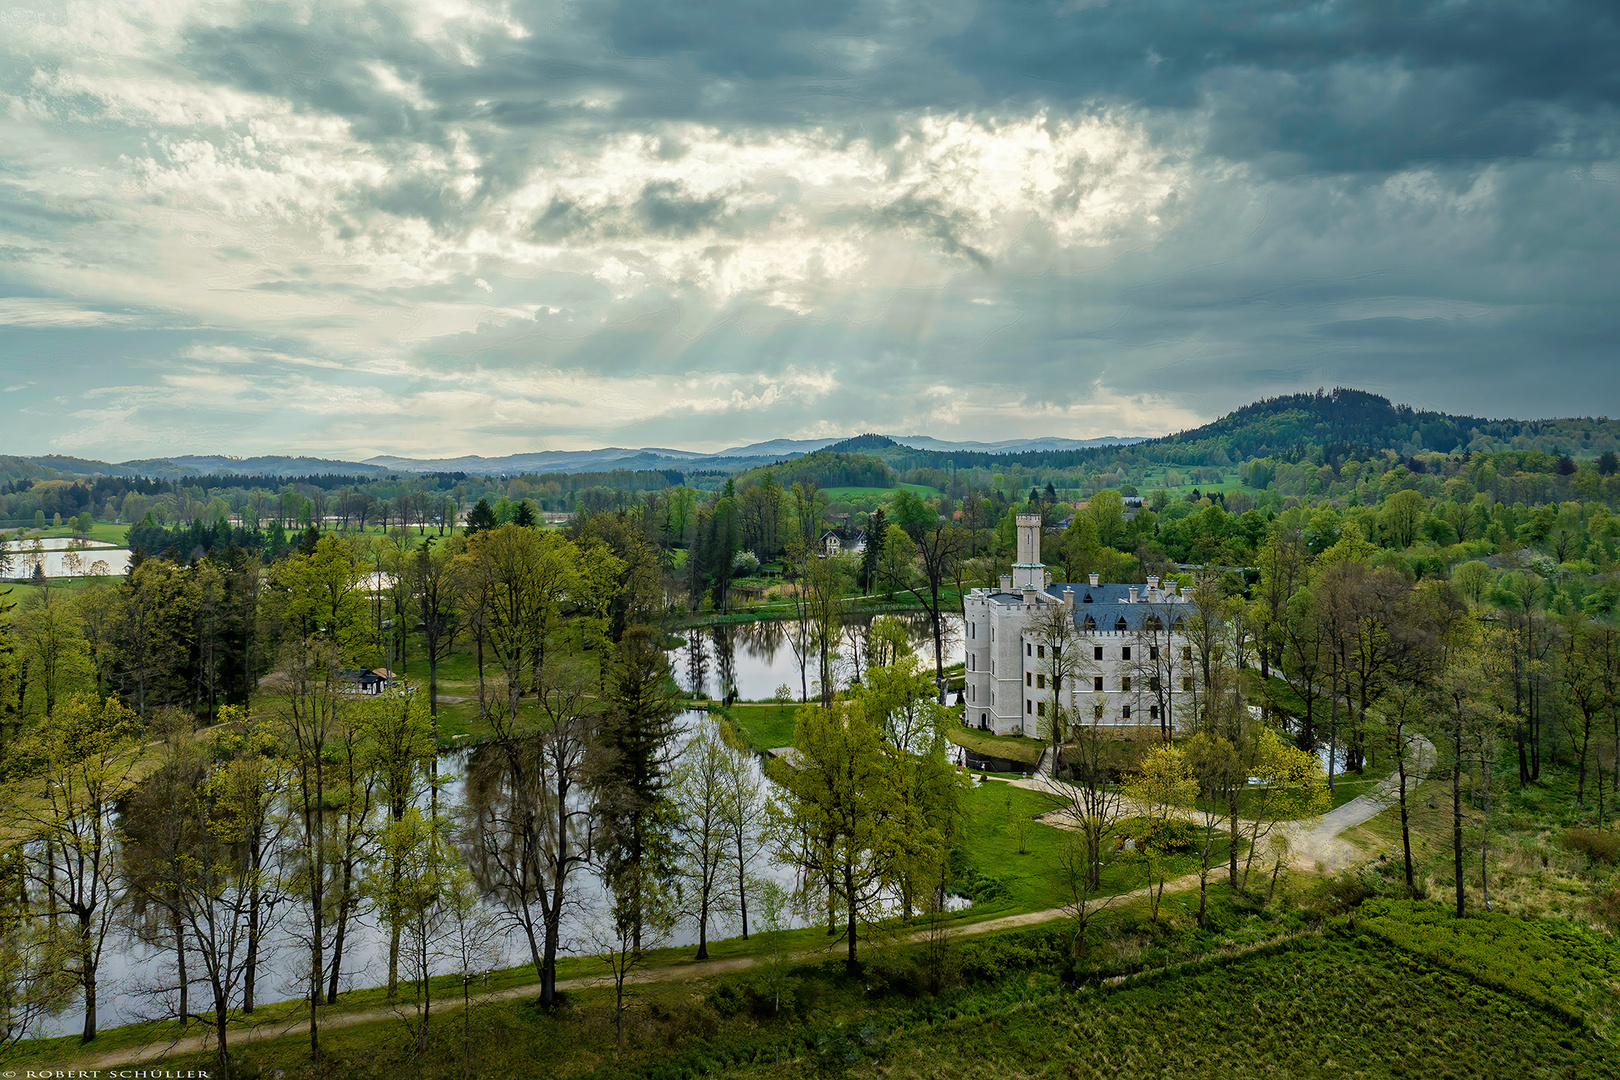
1131, 663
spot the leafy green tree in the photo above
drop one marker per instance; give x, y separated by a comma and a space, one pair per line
835, 824
81, 756
698, 790
1165, 787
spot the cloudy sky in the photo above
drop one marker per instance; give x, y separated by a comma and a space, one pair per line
436, 227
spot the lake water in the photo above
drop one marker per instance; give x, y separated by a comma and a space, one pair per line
54, 556
753, 659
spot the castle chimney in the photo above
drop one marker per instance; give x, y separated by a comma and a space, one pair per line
1068, 599
1133, 594
1006, 583
1093, 578
1030, 592
1153, 581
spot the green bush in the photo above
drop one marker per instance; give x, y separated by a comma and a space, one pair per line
1603, 847
1174, 837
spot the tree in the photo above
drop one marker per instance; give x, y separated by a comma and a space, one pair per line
1219, 770
833, 826
877, 527
698, 789
308, 719
1058, 663
939, 546
925, 816
1165, 786
82, 756
638, 915
480, 518
397, 731
533, 827
1093, 799
1284, 785
32, 984
222, 897
630, 774
743, 808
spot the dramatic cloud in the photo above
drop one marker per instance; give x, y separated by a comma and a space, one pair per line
462, 226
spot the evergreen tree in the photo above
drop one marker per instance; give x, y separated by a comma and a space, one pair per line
634, 761
480, 517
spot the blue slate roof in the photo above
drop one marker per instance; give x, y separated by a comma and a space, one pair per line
1108, 604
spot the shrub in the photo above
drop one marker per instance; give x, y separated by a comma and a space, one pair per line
1603, 847
1172, 837
1607, 906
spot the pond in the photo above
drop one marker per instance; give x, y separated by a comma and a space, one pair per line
752, 660
57, 559
137, 979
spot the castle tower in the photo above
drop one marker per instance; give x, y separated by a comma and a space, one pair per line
1028, 572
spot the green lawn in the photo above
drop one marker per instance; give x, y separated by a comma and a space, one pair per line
1010, 747
764, 726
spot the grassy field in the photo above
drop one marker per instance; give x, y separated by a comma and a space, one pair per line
764, 726
1010, 747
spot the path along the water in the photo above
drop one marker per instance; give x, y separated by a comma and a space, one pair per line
1317, 845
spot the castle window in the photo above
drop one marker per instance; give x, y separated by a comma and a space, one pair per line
1040, 682
1096, 684
1125, 653
1087, 600
1153, 712
1125, 714
1040, 708
1125, 684
1186, 685
1120, 624
1096, 652
1029, 707
1028, 649
1153, 652
1040, 652
1028, 679
1186, 652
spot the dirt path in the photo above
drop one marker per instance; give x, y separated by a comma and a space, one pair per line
1318, 846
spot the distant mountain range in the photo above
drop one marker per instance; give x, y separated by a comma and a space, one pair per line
1338, 423
732, 459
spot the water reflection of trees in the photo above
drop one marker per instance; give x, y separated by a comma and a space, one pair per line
723, 649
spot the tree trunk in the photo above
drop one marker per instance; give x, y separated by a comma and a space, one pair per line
180, 968
1456, 814
1406, 825
87, 958
742, 885
851, 965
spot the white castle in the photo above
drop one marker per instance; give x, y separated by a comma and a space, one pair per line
1105, 654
